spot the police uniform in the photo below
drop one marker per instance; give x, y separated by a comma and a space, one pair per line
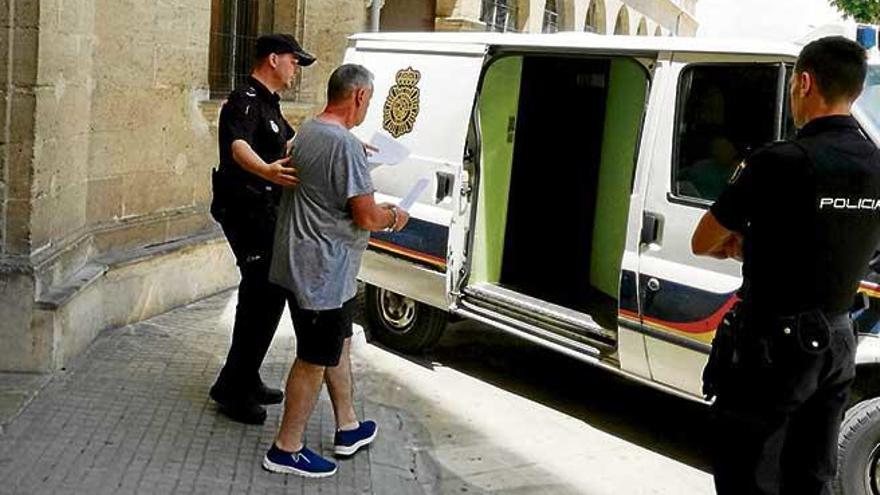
246, 206
809, 214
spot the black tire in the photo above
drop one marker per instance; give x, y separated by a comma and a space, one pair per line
858, 457
401, 323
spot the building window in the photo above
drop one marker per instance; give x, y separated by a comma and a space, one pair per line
235, 26
499, 15
551, 17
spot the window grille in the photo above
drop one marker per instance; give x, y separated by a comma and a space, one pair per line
235, 26
499, 15
551, 17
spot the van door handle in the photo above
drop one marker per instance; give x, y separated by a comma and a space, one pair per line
444, 186
652, 225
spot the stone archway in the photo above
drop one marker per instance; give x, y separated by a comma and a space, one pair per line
643, 28
621, 26
658, 31
596, 17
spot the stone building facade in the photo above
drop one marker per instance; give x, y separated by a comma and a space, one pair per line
109, 136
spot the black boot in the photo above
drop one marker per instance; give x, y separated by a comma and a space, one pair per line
267, 395
237, 406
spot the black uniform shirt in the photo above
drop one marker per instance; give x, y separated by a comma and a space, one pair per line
253, 113
809, 211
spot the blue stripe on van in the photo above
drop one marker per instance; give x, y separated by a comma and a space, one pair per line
420, 240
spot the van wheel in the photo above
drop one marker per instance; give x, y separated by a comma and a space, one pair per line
401, 323
858, 457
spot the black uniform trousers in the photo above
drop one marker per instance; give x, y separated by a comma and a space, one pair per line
778, 415
260, 302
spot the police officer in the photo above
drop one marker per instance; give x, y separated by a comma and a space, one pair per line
254, 141
802, 215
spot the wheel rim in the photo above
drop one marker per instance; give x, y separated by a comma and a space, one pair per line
872, 471
398, 312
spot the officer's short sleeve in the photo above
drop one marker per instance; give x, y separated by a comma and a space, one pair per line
732, 209
239, 117
357, 177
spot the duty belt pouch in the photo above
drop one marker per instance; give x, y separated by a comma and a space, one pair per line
724, 355
812, 332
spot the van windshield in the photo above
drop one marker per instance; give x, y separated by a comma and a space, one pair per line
868, 104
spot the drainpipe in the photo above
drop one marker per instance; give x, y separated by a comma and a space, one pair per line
375, 13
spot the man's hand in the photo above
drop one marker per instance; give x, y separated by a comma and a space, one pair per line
712, 239
402, 219
277, 173
402, 216
733, 247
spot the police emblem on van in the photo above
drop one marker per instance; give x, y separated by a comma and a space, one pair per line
402, 104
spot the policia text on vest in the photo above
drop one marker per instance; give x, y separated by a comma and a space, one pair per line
800, 214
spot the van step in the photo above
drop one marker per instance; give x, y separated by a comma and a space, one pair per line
570, 324
532, 333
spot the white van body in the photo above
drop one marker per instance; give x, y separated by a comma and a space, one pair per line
567, 173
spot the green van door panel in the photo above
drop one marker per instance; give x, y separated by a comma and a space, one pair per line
626, 102
499, 99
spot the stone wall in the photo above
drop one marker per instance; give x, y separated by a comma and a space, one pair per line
105, 158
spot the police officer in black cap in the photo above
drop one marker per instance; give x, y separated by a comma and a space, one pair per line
254, 141
802, 216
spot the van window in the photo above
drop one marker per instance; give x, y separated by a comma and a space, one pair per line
725, 112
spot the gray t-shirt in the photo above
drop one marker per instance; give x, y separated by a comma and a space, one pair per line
318, 248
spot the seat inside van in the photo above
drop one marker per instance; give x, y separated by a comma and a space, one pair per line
558, 147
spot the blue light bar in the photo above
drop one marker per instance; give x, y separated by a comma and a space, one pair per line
867, 36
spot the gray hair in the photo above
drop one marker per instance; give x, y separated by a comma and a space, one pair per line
346, 79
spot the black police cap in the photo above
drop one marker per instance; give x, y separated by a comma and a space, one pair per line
283, 43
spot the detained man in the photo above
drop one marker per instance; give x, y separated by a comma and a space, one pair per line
322, 231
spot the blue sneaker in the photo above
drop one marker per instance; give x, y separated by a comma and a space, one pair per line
348, 442
304, 463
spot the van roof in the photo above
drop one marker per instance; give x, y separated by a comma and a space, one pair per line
467, 42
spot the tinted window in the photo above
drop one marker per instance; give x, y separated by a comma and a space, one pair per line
725, 112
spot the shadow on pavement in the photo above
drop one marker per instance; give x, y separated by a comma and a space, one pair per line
668, 425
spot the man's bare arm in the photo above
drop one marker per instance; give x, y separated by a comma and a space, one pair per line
713, 239
276, 172
374, 217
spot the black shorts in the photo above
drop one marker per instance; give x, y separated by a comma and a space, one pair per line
320, 334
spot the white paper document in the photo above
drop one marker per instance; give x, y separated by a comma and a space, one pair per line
413, 194
391, 152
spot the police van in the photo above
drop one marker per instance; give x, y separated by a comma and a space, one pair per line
567, 173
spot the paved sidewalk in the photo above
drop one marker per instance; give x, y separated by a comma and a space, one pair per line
483, 413
132, 415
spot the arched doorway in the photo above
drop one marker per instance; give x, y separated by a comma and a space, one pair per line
658, 31
622, 24
408, 15
643, 28
596, 17
551, 17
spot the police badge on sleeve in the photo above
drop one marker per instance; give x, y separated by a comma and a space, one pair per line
737, 172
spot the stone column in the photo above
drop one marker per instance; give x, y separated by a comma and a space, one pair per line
19, 20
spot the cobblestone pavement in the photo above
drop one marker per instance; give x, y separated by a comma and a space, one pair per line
483, 413
132, 415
